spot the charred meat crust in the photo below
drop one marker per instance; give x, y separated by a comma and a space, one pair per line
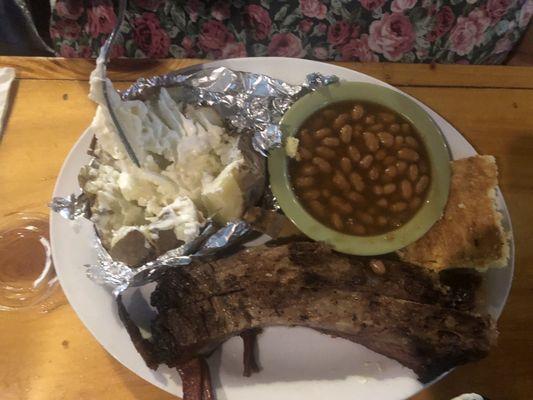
406, 313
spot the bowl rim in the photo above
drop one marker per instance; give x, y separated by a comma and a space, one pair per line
437, 149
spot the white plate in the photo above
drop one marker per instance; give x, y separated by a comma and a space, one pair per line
297, 363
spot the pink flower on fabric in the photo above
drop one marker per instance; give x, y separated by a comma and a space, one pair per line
221, 10
285, 45
69, 9
496, 9
480, 17
469, 32
525, 14
193, 8
188, 45
65, 29
503, 46
372, 5
339, 33
117, 51
322, 28
391, 36
445, 19
214, 36
305, 25
258, 19
402, 5
320, 53
234, 50
84, 52
422, 53
358, 50
101, 19
150, 5
66, 50
150, 37
313, 9
443, 22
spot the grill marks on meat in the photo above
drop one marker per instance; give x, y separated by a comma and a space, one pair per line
406, 313
401, 280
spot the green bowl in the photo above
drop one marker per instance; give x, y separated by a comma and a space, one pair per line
439, 158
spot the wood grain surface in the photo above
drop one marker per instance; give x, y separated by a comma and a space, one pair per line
51, 356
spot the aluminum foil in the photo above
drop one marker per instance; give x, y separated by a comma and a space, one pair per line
247, 101
252, 104
71, 207
211, 241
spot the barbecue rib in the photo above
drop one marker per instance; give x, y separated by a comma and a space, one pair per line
405, 313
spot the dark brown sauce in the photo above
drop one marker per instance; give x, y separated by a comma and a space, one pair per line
362, 169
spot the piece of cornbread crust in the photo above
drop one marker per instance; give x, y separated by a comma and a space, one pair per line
470, 233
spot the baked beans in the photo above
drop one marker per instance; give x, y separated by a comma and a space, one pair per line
362, 168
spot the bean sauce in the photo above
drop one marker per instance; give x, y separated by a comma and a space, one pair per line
361, 168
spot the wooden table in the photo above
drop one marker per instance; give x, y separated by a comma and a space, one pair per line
52, 356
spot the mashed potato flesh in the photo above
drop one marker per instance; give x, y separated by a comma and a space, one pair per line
182, 152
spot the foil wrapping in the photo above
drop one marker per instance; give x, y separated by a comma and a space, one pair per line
247, 101
71, 207
120, 276
251, 104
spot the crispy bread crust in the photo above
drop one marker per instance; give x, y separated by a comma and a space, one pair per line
470, 233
